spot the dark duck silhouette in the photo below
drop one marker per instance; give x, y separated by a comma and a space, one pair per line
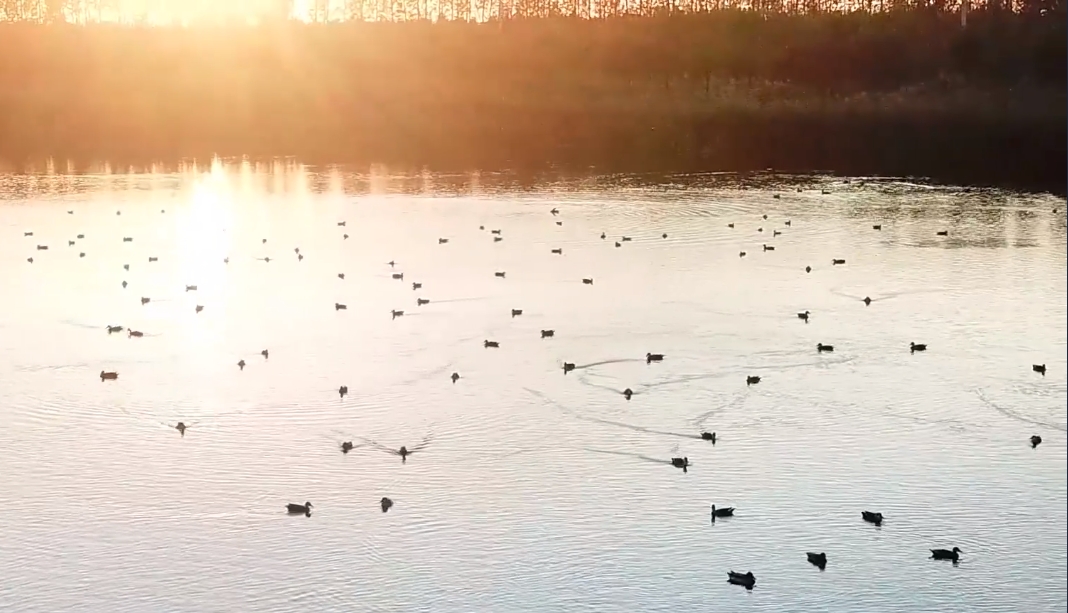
724, 512
1036, 440
145, 300
821, 348
442, 241
603, 236
803, 316
588, 281
752, 380
808, 269
266, 354
397, 313
241, 364
548, 333
747, 580
421, 301
741, 254
416, 285
568, 367
499, 274
1039, 368
769, 248
946, 554
683, 463
398, 275
299, 509
836, 262
517, 312
134, 334
557, 251
190, 288
341, 391
386, 504
627, 393
619, 244
877, 227
488, 344
872, 518
942, 233
730, 225
709, 436
914, 347
817, 559
455, 377
654, 357
340, 307
114, 329
347, 446
108, 376
867, 301
199, 308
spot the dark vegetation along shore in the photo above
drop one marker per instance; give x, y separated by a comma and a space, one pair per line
890, 90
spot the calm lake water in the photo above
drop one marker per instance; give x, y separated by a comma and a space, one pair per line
533, 490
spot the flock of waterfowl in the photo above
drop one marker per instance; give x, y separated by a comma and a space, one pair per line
748, 579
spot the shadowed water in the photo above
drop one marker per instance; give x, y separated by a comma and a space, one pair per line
532, 490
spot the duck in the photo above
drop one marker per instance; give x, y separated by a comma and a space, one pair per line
70, 243
199, 308
499, 274
263, 242
341, 276
587, 281
554, 211
267, 259
80, 236
821, 348
345, 237
27, 233
442, 241
124, 284
730, 225
517, 312
241, 364
488, 344
421, 301
769, 248
404, 453
340, 307
341, 224
391, 263
787, 223
386, 504
568, 367
455, 377
752, 380
190, 288
497, 239
497, 232
548, 333
817, 559
145, 300
741, 254
126, 267
654, 357
942, 233
808, 269
134, 334
877, 227
346, 447
266, 354
776, 196
108, 376
748, 580
724, 512
867, 301
625, 239
300, 257
559, 223
398, 276
825, 192
226, 260
397, 313
682, 463
914, 347
180, 427
30, 260
153, 259
1039, 368
1036, 440
872, 518
664, 235
836, 262
299, 509
760, 229
765, 216
946, 554
416, 285
127, 239
42, 247
775, 233
114, 329
619, 244
603, 236
341, 391
804, 316
709, 436
557, 251
627, 393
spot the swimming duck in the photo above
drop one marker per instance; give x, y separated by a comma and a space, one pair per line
942, 233
345, 237
769, 248
1039, 368
455, 377
619, 244
145, 300
386, 504
124, 284
495, 232
603, 236
748, 580
946, 554
299, 509
341, 391
548, 333
190, 288
760, 229
825, 192
836, 262
135, 334
488, 344
113, 329
300, 257
398, 275
241, 364
741, 254
70, 243
867, 301
724, 512
808, 269
70, 212
421, 301
482, 227
153, 259
442, 241
42, 247
499, 274
266, 354
730, 225
877, 227
108, 376
568, 367
404, 453
127, 239
817, 559
27, 233
416, 285
30, 260
682, 463
872, 518
341, 223
126, 267
765, 215
226, 260
914, 347
339, 307
558, 251
752, 380
554, 211
820, 348
709, 436
497, 239
391, 263
559, 223
776, 196
263, 242
180, 427
775, 233
787, 223
341, 276
625, 239
397, 313
587, 281
517, 312
627, 393
803, 316
199, 308
80, 236
654, 357
1036, 440
346, 447
664, 235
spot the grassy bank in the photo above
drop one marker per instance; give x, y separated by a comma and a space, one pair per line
907, 92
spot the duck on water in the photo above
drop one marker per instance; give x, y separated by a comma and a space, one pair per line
872, 518
817, 559
709, 436
746, 580
724, 512
682, 463
946, 554
299, 509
